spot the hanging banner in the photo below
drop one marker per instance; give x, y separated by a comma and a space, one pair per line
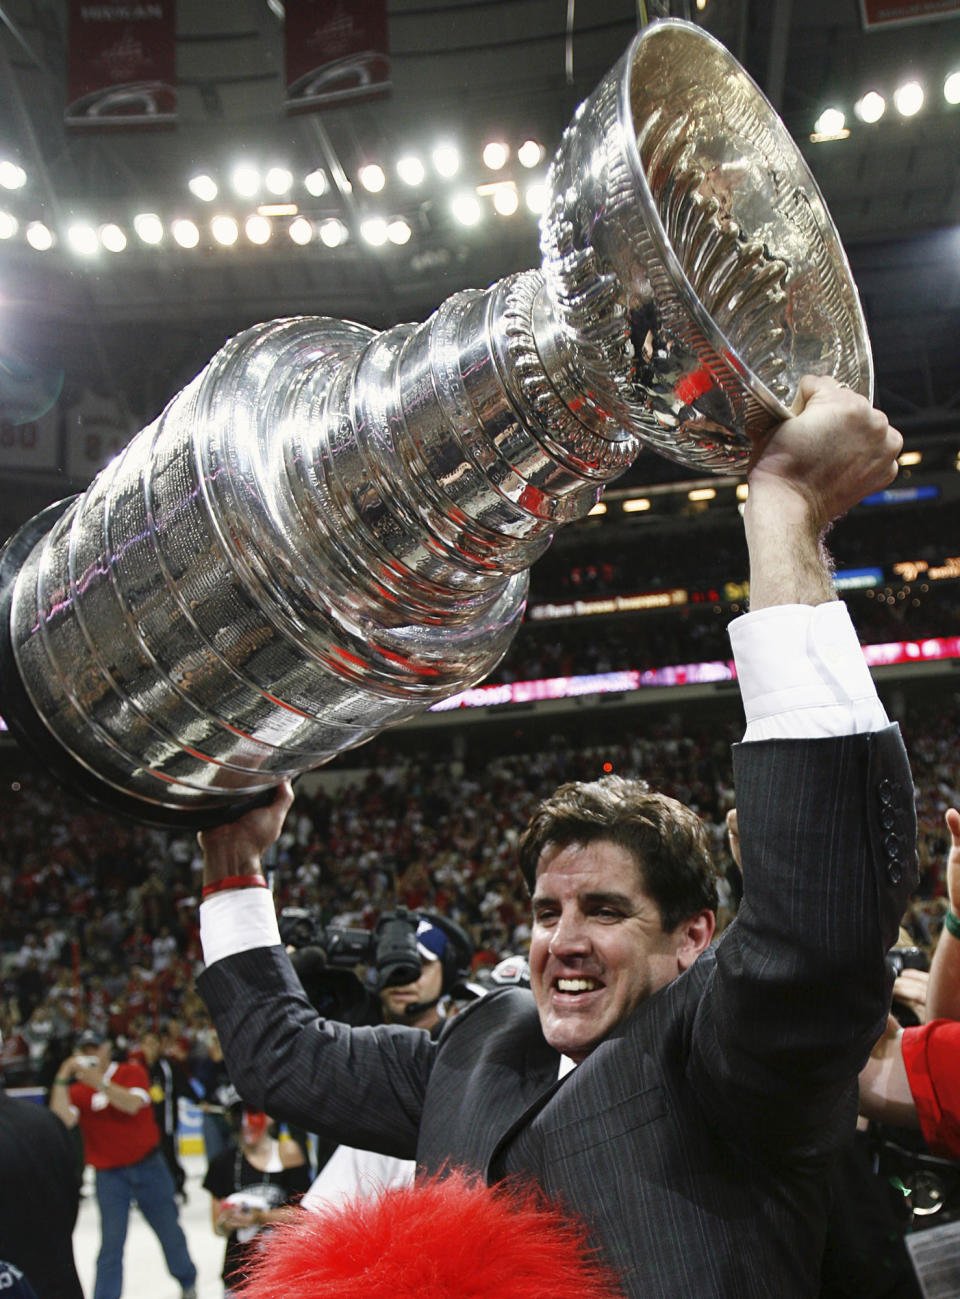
336, 50
900, 13
121, 67
96, 429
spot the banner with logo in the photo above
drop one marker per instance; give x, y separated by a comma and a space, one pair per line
899, 13
121, 63
336, 50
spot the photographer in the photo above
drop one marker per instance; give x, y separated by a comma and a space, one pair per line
432, 949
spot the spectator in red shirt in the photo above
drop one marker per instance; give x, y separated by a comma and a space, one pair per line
913, 1076
111, 1103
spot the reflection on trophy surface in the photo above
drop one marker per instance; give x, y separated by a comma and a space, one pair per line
330, 529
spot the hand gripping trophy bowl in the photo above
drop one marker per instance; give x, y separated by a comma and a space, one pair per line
330, 529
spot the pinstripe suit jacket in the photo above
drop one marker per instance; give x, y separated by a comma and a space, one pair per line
695, 1139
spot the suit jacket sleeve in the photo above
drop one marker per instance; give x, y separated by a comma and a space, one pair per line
360, 1086
801, 987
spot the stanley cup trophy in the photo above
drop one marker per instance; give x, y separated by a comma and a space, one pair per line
330, 528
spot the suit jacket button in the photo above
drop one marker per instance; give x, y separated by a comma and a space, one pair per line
893, 872
888, 817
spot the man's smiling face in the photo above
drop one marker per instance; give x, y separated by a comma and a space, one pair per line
598, 948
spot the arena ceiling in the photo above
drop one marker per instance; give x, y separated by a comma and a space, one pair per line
141, 322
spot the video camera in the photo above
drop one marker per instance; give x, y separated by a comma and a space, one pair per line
390, 948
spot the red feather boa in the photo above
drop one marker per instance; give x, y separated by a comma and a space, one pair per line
445, 1238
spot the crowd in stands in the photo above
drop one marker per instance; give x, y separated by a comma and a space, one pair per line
98, 916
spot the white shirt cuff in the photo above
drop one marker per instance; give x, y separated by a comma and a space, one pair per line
237, 920
802, 673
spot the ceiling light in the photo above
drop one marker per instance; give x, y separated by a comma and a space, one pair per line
39, 236
258, 229
599, 508
279, 180
8, 225
149, 227
113, 238
701, 494
830, 122
506, 199
743, 491
446, 159
374, 231
185, 233
951, 88
372, 178
495, 155
908, 98
204, 187
870, 107
536, 197
909, 458
316, 182
466, 208
225, 230
83, 239
245, 181
398, 232
530, 153
277, 209
411, 170
333, 233
300, 231
12, 175
637, 505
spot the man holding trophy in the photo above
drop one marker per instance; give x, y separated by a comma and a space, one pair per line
684, 1099
330, 529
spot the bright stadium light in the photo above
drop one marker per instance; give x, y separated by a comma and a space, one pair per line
278, 180
495, 155
12, 175
446, 160
113, 238
951, 88
39, 236
411, 170
185, 233
530, 153
300, 230
466, 208
225, 230
82, 238
398, 232
372, 178
245, 181
333, 233
870, 107
315, 182
908, 98
830, 122
8, 225
258, 229
374, 231
203, 187
536, 197
506, 200
149, 227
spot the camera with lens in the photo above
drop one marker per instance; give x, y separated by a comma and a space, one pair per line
390, 948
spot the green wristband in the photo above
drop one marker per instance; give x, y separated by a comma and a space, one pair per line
951, 923
61, 1082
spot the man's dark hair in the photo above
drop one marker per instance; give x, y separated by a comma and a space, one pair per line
667, 840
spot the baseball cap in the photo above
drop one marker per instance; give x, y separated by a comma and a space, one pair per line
431, 940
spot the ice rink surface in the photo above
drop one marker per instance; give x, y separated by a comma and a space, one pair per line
145, 1274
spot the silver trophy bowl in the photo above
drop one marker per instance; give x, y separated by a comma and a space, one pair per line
331, 529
